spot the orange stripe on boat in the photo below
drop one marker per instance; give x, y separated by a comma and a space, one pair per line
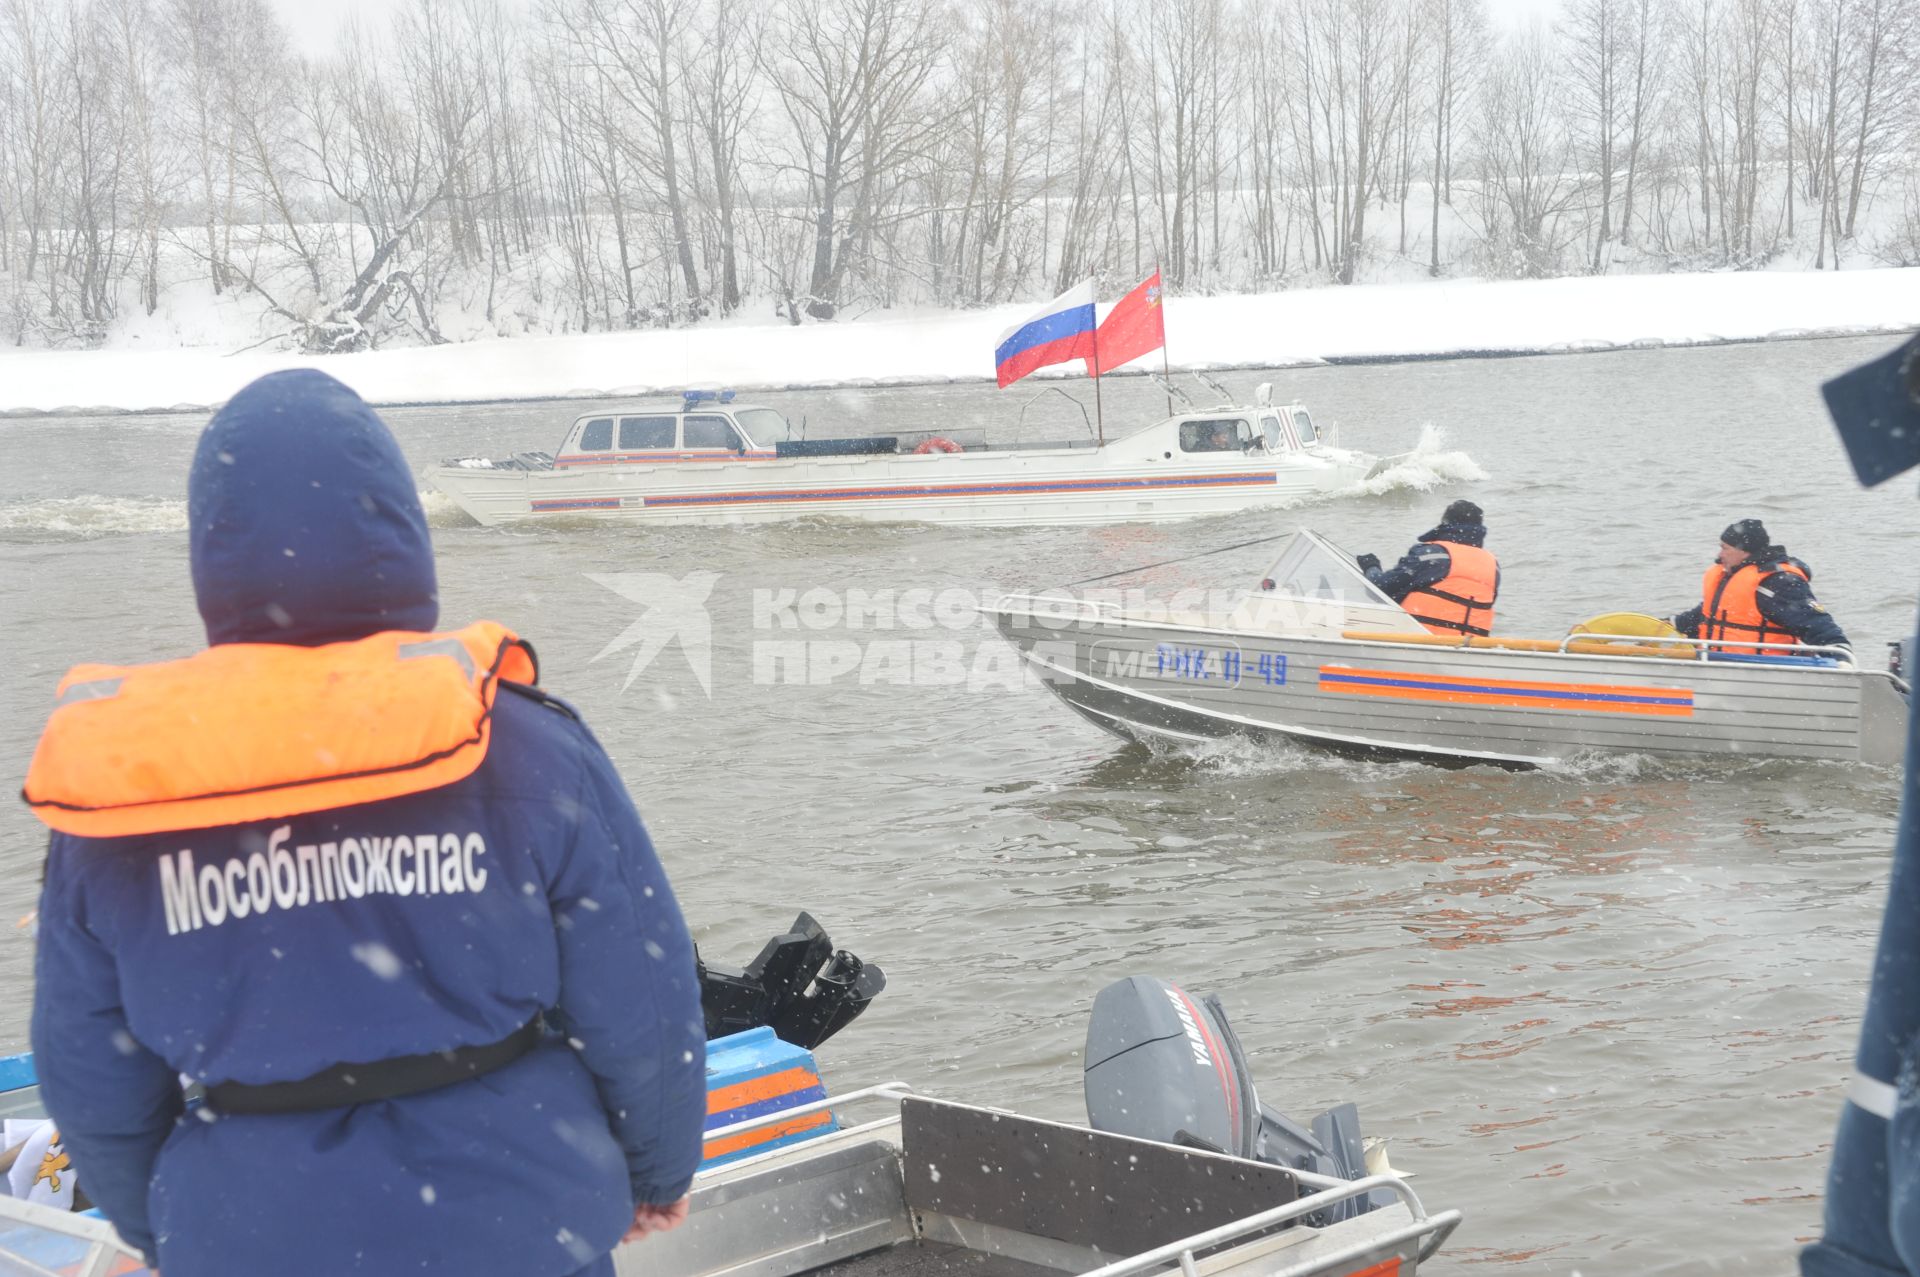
723, 1099
766, 1134
1591, 698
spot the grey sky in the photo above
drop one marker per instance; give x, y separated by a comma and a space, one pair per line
313, 24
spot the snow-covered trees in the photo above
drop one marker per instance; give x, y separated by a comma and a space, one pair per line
461, 166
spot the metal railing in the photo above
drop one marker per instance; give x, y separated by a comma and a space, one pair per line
1330, 1191
894, 1091
1184, 1251
1703, 648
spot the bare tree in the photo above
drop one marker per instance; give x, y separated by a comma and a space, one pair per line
1458, 31
1526, 187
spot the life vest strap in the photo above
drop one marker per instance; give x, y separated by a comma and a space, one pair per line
1450, 597
344, 1085
1461, 626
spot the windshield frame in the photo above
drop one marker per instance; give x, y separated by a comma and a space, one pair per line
748, 420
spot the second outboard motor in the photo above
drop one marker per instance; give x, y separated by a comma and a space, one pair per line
1164, 1065
799, 985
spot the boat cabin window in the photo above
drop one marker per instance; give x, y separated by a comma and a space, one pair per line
765, 426
637, 433
1272, 432
1303, 426
597, 435
1223, 434
708, 432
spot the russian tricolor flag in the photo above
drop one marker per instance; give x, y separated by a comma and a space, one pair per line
1061, 332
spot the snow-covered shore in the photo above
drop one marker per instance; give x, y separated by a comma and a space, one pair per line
1304, 326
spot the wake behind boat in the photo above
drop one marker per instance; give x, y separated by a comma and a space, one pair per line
1320, 656
708, 460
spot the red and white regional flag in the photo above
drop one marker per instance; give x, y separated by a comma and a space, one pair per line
1132, 328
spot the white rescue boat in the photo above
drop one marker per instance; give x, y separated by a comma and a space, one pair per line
709, 460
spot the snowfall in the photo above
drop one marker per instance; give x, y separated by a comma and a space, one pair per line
147, 370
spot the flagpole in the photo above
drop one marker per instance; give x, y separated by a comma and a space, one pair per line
1166, 370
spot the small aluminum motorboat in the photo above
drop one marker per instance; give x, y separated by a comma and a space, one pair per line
1224, 1186
1318, 655
930, 1186
709, 460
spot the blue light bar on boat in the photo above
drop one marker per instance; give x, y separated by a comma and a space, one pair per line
706, 396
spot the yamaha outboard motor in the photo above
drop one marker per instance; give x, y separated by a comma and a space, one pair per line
1164, 1065
799, 985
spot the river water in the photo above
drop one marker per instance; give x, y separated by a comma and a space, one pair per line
1605, 1008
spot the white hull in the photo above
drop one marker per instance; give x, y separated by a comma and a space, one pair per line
1064, 486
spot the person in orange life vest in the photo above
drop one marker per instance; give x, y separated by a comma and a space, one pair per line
1755, 590
386, 899
1448, 581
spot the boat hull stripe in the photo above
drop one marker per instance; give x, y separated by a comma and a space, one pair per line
968, 489
1585, 697
576, 503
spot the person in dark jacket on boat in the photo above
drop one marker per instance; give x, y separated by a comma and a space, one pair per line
1755, 590
1448, 581
387, 900
1872, 1208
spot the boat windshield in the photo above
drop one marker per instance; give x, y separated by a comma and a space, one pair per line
1311, 567
765, 426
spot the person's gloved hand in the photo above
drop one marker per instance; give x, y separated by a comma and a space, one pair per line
1368, 562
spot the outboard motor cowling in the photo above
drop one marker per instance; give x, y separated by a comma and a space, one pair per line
1164, 1065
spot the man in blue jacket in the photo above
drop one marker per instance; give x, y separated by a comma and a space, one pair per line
1873, 1187
392, 907
1449, 593
1756, 590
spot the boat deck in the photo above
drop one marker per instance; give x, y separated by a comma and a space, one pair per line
949, 1190
934, 1259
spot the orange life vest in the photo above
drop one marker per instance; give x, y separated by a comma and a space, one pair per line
256, 731
1730, 604
1463, 602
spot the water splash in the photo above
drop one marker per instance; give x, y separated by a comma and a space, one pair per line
1428, 466
442, 510
92, 516
86, 517
1243, 757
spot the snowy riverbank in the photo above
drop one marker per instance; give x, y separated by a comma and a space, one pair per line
1277, 329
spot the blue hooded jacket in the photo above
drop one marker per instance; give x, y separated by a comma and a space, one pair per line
1784, 599
307, 529
1873, 1185
1428, 563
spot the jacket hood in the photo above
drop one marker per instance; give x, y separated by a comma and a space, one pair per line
1774, 557
1474, 534
1771, 560
304, 520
